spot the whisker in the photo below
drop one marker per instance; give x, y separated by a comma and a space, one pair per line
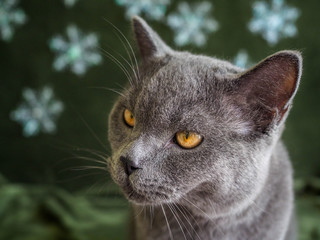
78, 177
126, 61
118, 63
110, 89
188, 221
258, 207
67, 147
89, 159
186, 211
128, 43
91, 131
96, 153
144, 214
139, 212
219, 229
104, 186
168, 225
93, 185
127, 51
172, 211
196, 207
122, 87
82, 168
151, 215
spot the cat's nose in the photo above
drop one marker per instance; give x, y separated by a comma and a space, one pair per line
129, 165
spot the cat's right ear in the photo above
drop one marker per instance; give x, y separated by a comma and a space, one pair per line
267, 90
151, 46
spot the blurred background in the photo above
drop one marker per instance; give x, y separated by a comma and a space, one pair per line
61, 65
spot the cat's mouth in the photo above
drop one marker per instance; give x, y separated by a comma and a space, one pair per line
144, 196
139, 190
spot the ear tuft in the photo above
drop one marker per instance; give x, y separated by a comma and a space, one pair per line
270, 86
149, 42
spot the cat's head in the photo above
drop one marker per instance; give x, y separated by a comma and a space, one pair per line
195, 124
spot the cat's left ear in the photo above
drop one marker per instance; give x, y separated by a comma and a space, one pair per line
150, 44
269, 88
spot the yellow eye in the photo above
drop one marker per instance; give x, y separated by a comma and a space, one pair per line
128, 117
188, 139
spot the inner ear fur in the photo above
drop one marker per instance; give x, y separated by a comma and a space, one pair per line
267, 90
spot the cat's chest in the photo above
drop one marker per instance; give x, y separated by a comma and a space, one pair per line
169, 222
161, 223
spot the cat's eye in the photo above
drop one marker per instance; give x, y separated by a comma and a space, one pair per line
187, 139
128, 118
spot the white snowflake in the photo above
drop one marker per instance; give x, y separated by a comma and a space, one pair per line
242, 59
79, 51
70, 3
274, 21
10, 16
191, 24
153, 9
38, 112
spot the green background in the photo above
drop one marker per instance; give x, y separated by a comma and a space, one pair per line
41, 197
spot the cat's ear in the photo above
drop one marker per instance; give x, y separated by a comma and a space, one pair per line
269, 88
149, 43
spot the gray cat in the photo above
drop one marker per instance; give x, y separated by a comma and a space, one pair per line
196, 144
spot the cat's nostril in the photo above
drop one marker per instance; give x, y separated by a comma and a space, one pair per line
129, 166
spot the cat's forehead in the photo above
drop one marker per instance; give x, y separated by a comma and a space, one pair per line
188, 65
189, 76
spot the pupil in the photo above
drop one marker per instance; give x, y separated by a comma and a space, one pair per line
187, 135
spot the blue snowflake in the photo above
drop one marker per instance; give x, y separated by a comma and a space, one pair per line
78, 51
242, 59
153, 9
191, 24
10, 16
70, 3
38, 112
274, 21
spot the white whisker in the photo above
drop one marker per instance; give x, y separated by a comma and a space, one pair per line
168, 225
131, 49
188, 221
117, 62
176, 217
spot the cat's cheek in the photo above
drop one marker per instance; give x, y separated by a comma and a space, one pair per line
117, 173
117, 135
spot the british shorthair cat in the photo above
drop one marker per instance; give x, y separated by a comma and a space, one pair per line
196, 144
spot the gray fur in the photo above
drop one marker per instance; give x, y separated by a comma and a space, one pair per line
237, 184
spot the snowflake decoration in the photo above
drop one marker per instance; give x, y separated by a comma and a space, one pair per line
274, 21
70, 3
242, 59
38, 112
78, 52
191, 24
10, 16
153, 9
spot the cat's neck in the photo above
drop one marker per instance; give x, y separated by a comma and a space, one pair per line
270, 209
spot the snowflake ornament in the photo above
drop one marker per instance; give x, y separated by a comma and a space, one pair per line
78, 51
153, 9
242, 59
274, 21
191, 24
38, 112
70, 3
10, 16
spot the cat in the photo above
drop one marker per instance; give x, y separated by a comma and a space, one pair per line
196, 144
